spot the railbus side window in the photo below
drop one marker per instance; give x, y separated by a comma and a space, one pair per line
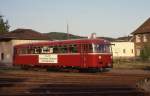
38, 50
84, 48
18, 51
87, 48
73, 49
51, 49
29, 50
46, 49
23, 51
32, 50
90, 48
63, 49
55, 49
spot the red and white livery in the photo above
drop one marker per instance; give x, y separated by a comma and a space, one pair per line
80, 54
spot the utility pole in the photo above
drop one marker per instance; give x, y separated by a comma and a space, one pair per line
67, 31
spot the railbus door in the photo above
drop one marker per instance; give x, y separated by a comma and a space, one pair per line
83, 52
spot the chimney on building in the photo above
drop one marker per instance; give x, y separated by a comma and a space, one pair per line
93, 35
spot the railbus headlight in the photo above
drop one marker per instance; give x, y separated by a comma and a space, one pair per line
111, 57
100, 57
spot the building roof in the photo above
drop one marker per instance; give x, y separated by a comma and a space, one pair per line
62, 36
24, 34
107, 38
123, 39
144, 28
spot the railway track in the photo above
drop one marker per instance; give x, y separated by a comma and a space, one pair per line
71, 90
32, 83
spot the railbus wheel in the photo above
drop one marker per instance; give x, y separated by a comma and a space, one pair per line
53, 69
24, 67
89, 70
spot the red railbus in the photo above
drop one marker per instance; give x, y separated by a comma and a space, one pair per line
91, 54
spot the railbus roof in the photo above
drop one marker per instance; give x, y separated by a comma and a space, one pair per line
62, 42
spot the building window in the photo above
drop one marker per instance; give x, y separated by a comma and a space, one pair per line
132, 51
144, 38
2, 56
138, 39
124, 51
138, 51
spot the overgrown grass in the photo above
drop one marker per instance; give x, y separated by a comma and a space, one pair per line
131, 64
9, 68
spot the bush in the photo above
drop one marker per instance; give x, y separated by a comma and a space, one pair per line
145, 53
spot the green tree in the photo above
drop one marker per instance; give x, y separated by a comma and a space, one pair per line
4, 27
145, 52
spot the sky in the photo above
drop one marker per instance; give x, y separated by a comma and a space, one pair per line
109, 18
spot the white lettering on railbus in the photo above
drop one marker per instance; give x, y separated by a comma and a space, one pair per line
48, 58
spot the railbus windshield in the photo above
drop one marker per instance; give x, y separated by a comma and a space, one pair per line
101, 48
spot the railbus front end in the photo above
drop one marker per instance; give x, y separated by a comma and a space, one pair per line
96, 56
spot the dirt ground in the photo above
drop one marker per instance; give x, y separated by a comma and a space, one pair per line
117, 82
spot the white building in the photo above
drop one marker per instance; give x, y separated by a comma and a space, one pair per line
6, 49
123, 49
18, 36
